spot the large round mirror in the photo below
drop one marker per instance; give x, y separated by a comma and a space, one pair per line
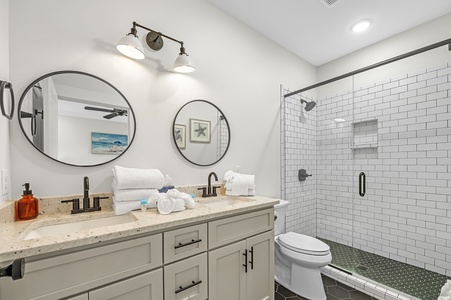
76, 118
201, 133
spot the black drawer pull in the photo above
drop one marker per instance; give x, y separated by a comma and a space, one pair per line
181, 289
245, 261
180, 245
252, 258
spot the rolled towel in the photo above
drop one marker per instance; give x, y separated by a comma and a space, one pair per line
133, 194
179, 205
131, 178
165, 205
189, 201
124, 207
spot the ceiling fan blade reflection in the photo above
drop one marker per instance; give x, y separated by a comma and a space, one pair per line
110, 116
99, 109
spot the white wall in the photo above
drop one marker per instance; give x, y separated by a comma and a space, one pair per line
237, 69
4, 75
421, 36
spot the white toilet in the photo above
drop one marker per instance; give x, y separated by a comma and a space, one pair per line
298, 259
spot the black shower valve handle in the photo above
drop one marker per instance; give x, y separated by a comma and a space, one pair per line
302, 175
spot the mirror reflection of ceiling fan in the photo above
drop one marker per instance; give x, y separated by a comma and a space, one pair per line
114, 112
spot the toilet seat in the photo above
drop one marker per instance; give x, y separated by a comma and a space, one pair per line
303, 244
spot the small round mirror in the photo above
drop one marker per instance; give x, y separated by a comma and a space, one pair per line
76, 118
201, 132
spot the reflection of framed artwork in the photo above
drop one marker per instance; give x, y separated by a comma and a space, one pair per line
180, 135
108, 143
199, 131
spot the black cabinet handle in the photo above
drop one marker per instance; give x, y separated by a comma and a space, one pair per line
6, 85
15, 270
181, 289
245, 261
180, 245
252, 258
362, 184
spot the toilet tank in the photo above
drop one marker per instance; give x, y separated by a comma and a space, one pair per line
279, 216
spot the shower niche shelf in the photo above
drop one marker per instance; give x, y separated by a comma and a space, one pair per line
364, 138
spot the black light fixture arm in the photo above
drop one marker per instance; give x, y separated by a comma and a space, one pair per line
157, 32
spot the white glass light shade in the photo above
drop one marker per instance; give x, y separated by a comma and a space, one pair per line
183, 64
131, 46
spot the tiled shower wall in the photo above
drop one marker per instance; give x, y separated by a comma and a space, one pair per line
298, 132
406, 212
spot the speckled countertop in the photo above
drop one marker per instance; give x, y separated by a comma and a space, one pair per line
13, 246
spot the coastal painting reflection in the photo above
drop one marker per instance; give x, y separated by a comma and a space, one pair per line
108, 143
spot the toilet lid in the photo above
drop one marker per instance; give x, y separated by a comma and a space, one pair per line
303, 244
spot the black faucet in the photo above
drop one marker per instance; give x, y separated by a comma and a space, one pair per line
86, 200
209, 183
206, 191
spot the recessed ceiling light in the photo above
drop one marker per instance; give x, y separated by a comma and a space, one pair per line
361, 26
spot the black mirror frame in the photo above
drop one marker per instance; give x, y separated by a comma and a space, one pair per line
228, 128
80, 73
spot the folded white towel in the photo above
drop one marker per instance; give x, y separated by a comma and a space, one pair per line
239, 184
133, 194
250, 192
131, 178
124, 207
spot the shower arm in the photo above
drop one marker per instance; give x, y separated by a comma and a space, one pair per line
376, 65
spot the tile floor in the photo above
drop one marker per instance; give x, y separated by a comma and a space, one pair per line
414, 281
334, 291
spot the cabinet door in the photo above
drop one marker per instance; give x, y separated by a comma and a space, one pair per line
145, 286
227, 277
186, 279
260, 275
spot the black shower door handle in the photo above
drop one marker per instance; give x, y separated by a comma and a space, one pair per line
362, 184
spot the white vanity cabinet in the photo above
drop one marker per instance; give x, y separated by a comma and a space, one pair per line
243, 270
61, 276
228, 257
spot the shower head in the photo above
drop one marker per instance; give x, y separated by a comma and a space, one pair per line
309, 106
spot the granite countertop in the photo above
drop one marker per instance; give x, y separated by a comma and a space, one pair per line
12, 245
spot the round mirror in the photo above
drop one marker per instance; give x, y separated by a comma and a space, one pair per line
201, 133
76, 118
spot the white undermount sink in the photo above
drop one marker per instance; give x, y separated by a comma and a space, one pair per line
221, 202
72, 227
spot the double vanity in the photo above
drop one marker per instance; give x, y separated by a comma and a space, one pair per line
221, 249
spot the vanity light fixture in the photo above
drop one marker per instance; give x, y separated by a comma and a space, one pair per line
131, 46
361, 26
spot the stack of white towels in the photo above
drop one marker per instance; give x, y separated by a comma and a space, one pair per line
237, 184
445, 293
131, 185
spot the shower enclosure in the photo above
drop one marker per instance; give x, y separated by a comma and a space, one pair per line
378, 146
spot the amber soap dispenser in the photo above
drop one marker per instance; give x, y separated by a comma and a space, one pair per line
27, 208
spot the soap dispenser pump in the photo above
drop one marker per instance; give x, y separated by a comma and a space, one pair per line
27, 208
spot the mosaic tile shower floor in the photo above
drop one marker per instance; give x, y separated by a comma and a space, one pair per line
418, 282
334, 291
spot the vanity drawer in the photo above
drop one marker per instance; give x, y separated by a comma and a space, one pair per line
68, 274
229, 230
186, 279
184, 242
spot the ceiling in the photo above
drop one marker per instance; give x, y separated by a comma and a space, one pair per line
319, 32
